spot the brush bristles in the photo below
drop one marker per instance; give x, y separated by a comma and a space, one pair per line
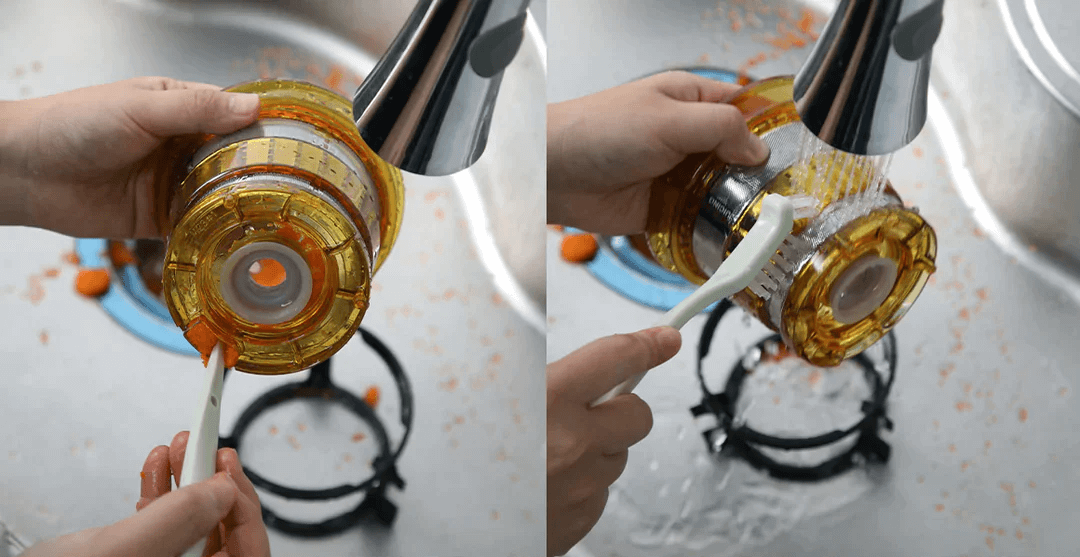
779, 268
806, 207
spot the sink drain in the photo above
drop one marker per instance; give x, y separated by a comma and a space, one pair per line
133, 305
319, 386
829, 424
622, 267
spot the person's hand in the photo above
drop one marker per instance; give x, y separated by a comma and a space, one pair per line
224, 510
80, 162
605, 149
587, 446
241, 532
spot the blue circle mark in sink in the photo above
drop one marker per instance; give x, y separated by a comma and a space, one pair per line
623, 269
132, 305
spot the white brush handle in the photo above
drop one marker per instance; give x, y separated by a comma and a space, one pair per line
774, 223
201, 456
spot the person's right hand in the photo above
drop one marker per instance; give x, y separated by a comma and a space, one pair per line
604, 150
240, 533
225, 509
587, 446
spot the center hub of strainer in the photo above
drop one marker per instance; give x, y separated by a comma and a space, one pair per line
862, 287
266, 283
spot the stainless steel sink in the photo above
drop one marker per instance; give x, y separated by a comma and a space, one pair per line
460, 301
981, 448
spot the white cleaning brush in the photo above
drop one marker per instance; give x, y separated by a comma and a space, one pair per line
737, 271
200, 459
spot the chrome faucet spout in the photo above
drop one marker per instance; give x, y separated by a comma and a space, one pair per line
863, 89
426, 107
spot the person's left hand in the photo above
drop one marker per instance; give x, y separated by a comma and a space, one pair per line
80, 162
224, 510
605, 150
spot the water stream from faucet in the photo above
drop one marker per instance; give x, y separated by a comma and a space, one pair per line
834, 175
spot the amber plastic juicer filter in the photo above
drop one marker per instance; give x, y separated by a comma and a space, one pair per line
275, 231
845, 276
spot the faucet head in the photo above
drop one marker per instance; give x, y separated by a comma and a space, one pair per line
426, 107
863, 89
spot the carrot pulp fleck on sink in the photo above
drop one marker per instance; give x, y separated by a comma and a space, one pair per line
333, 81
92, 283
791, 34
371, 397
736, 21
806, 23
579, 248
119, 254
788, 39
72, 257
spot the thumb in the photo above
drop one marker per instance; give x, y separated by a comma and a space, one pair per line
198, 110
170, 525
599, 366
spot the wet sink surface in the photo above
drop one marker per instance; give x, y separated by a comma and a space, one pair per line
459, 302
981, 449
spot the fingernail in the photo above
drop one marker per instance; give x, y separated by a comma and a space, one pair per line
759, 150
661, 332
653, 331
222, 490
669, 339
243, 103
228, 477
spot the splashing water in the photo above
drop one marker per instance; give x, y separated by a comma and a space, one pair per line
830, 175
682, 500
